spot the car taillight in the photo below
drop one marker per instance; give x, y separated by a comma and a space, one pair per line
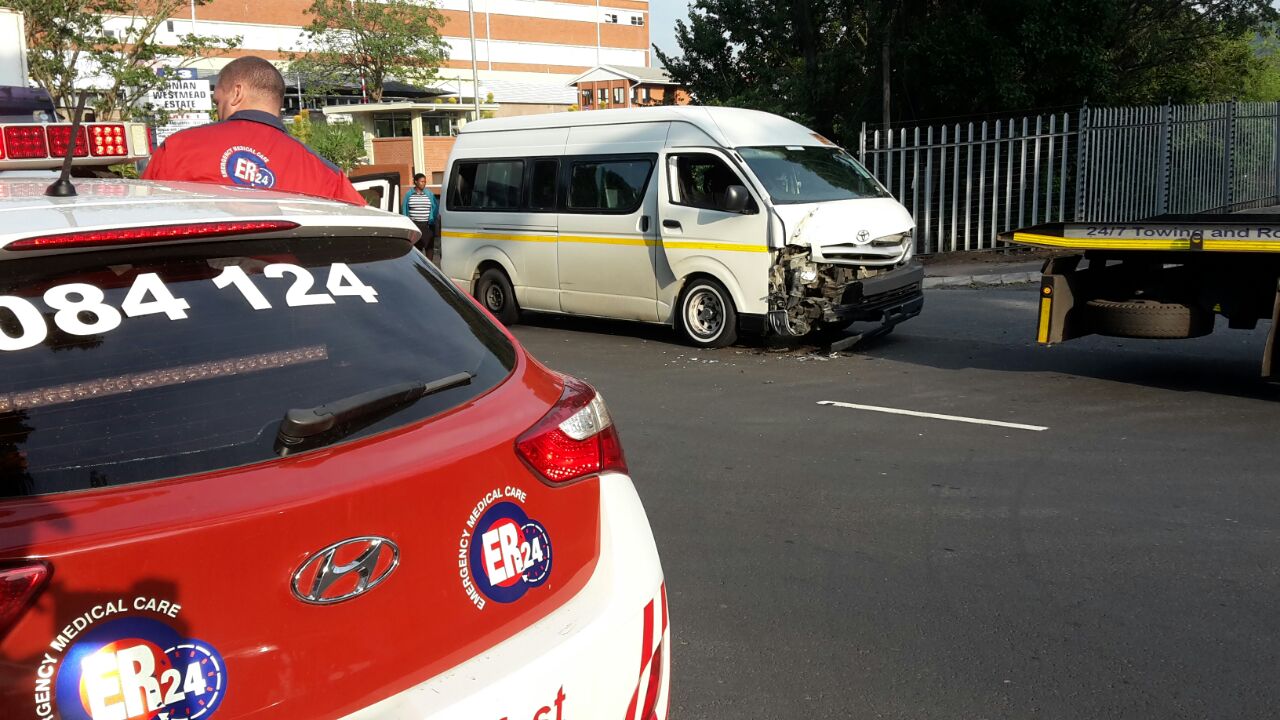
108, 140
19, 586
154, 233
575, 439
23, 142
60, 138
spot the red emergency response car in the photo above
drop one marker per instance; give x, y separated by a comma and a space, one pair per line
260, 459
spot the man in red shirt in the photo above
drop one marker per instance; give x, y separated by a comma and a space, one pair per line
250, 147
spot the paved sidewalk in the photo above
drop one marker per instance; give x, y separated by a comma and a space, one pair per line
967, 269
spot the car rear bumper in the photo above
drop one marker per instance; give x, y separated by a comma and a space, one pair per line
591, 659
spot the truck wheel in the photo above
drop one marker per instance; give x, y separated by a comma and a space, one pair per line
1149, 319
494, 291
706, 315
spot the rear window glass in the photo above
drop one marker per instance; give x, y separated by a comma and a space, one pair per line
129, 366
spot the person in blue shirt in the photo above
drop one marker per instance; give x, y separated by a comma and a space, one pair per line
420, 206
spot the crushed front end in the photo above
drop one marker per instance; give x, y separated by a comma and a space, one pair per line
833, 285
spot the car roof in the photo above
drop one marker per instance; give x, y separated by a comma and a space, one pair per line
731, 127
100, 204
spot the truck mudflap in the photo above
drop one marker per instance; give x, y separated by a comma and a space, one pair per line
1059, 318
1269, 352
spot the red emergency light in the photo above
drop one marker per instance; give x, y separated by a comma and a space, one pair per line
109, 140
60, 138
25, 142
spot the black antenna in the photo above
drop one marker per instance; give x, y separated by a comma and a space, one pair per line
62, 187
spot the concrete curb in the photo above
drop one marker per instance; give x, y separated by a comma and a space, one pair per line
946, 281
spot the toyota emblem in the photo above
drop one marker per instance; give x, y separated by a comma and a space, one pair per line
864, 237
345, 570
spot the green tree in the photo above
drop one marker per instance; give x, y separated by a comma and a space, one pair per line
813, 60
1001, 55
822, 61
68, 45
352, 40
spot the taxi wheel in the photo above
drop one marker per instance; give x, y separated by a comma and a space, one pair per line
495, 293
706, 316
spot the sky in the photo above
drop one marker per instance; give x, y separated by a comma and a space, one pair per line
662, 23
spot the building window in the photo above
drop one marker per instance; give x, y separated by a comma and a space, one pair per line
603, 93
611, 18
637, 20
586, 98
617, 96
436, 126
168, 25
608, 186
392, 126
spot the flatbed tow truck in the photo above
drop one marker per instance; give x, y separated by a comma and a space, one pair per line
1164, 278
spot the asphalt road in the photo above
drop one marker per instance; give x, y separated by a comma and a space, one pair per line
827, 562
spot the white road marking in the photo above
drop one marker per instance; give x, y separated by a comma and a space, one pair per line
935, 416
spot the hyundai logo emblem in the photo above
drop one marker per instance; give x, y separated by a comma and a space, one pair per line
864, 237
345, 570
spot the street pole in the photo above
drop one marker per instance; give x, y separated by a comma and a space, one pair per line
193, 17
475, 68
598, 18
884, 61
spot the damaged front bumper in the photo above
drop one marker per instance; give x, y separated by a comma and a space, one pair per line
806, 296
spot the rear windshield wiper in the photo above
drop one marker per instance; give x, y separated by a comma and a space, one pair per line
302, 425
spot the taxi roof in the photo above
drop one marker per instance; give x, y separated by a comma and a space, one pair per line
25, 211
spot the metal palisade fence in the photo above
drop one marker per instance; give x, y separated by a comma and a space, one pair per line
967, 182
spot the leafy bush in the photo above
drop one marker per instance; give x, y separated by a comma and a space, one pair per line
301, 127
340, 143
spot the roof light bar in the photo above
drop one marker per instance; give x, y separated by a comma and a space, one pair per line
44, 145
154, 233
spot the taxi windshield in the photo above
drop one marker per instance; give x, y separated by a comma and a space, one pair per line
126, 366
795, 174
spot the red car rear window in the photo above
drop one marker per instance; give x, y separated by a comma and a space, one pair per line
128, 366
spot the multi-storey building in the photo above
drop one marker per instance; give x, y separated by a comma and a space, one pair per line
527, 51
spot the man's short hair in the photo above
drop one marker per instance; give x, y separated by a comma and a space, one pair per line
257, 74
419, 176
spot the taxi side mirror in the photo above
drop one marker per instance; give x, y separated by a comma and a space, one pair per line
735, 199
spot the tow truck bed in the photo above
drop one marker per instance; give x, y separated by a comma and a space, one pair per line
1255, 232
1161, 278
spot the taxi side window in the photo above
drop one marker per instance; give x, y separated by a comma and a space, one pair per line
487, 185
608, 186
699, 180
542, 185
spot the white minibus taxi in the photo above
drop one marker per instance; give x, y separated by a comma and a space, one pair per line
713, 220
